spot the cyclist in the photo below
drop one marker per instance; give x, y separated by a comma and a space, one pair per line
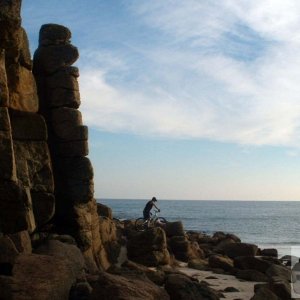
148, 207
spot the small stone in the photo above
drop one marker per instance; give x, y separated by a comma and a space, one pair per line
231, 289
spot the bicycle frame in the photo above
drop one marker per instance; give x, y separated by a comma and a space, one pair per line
153, 217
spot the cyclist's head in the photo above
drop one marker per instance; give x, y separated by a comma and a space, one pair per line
154, 199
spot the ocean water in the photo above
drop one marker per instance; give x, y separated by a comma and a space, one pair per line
269, 224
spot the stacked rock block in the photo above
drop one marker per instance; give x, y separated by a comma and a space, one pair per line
26, 180
76, 211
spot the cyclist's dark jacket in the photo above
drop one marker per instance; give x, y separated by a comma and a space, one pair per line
147, 209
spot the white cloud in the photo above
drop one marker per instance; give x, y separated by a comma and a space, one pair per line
192, 86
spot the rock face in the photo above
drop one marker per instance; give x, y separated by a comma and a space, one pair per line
26, 180
46, 180
58, 90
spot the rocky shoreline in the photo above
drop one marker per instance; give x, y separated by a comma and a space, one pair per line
170, 250
56, 242
159, 263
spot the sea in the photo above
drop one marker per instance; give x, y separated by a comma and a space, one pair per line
268, 224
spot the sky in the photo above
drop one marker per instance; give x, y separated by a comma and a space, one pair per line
194, 99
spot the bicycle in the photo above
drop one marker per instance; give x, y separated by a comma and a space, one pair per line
141, 224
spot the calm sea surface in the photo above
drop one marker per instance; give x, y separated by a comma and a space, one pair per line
265, 223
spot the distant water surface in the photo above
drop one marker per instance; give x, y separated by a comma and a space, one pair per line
265, 223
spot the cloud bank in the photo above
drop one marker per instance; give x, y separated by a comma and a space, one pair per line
219, 70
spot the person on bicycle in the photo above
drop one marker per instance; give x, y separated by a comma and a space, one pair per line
148, 207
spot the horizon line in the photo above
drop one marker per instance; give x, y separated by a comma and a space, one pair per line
223, 200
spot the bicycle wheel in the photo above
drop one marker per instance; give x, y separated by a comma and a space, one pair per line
160, 222
140, 224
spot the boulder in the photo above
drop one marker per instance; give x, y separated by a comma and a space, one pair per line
281, 289
156, 276
109, 286
264, 294
222, 262
269, 252
41, 277
183, 249
239, 249
49, 59
108, 234
149, 248
67, 125
54, 34
251, 275
104, 210
69, 253
181, 287
174, 229
251, 262
63, 98
65, 78
198, 264
284, 273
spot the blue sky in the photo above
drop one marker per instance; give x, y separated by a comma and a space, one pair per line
186, 99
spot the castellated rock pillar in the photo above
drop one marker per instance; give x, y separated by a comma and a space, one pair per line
26, 180
76, 210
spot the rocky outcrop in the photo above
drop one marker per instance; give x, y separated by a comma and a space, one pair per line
59, 100
26, 180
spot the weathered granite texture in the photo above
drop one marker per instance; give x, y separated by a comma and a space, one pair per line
58, 89
26, 176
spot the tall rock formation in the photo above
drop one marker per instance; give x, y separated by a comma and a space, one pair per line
46, 180
26, 181
58, 89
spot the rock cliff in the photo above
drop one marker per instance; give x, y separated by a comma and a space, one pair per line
46, 180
